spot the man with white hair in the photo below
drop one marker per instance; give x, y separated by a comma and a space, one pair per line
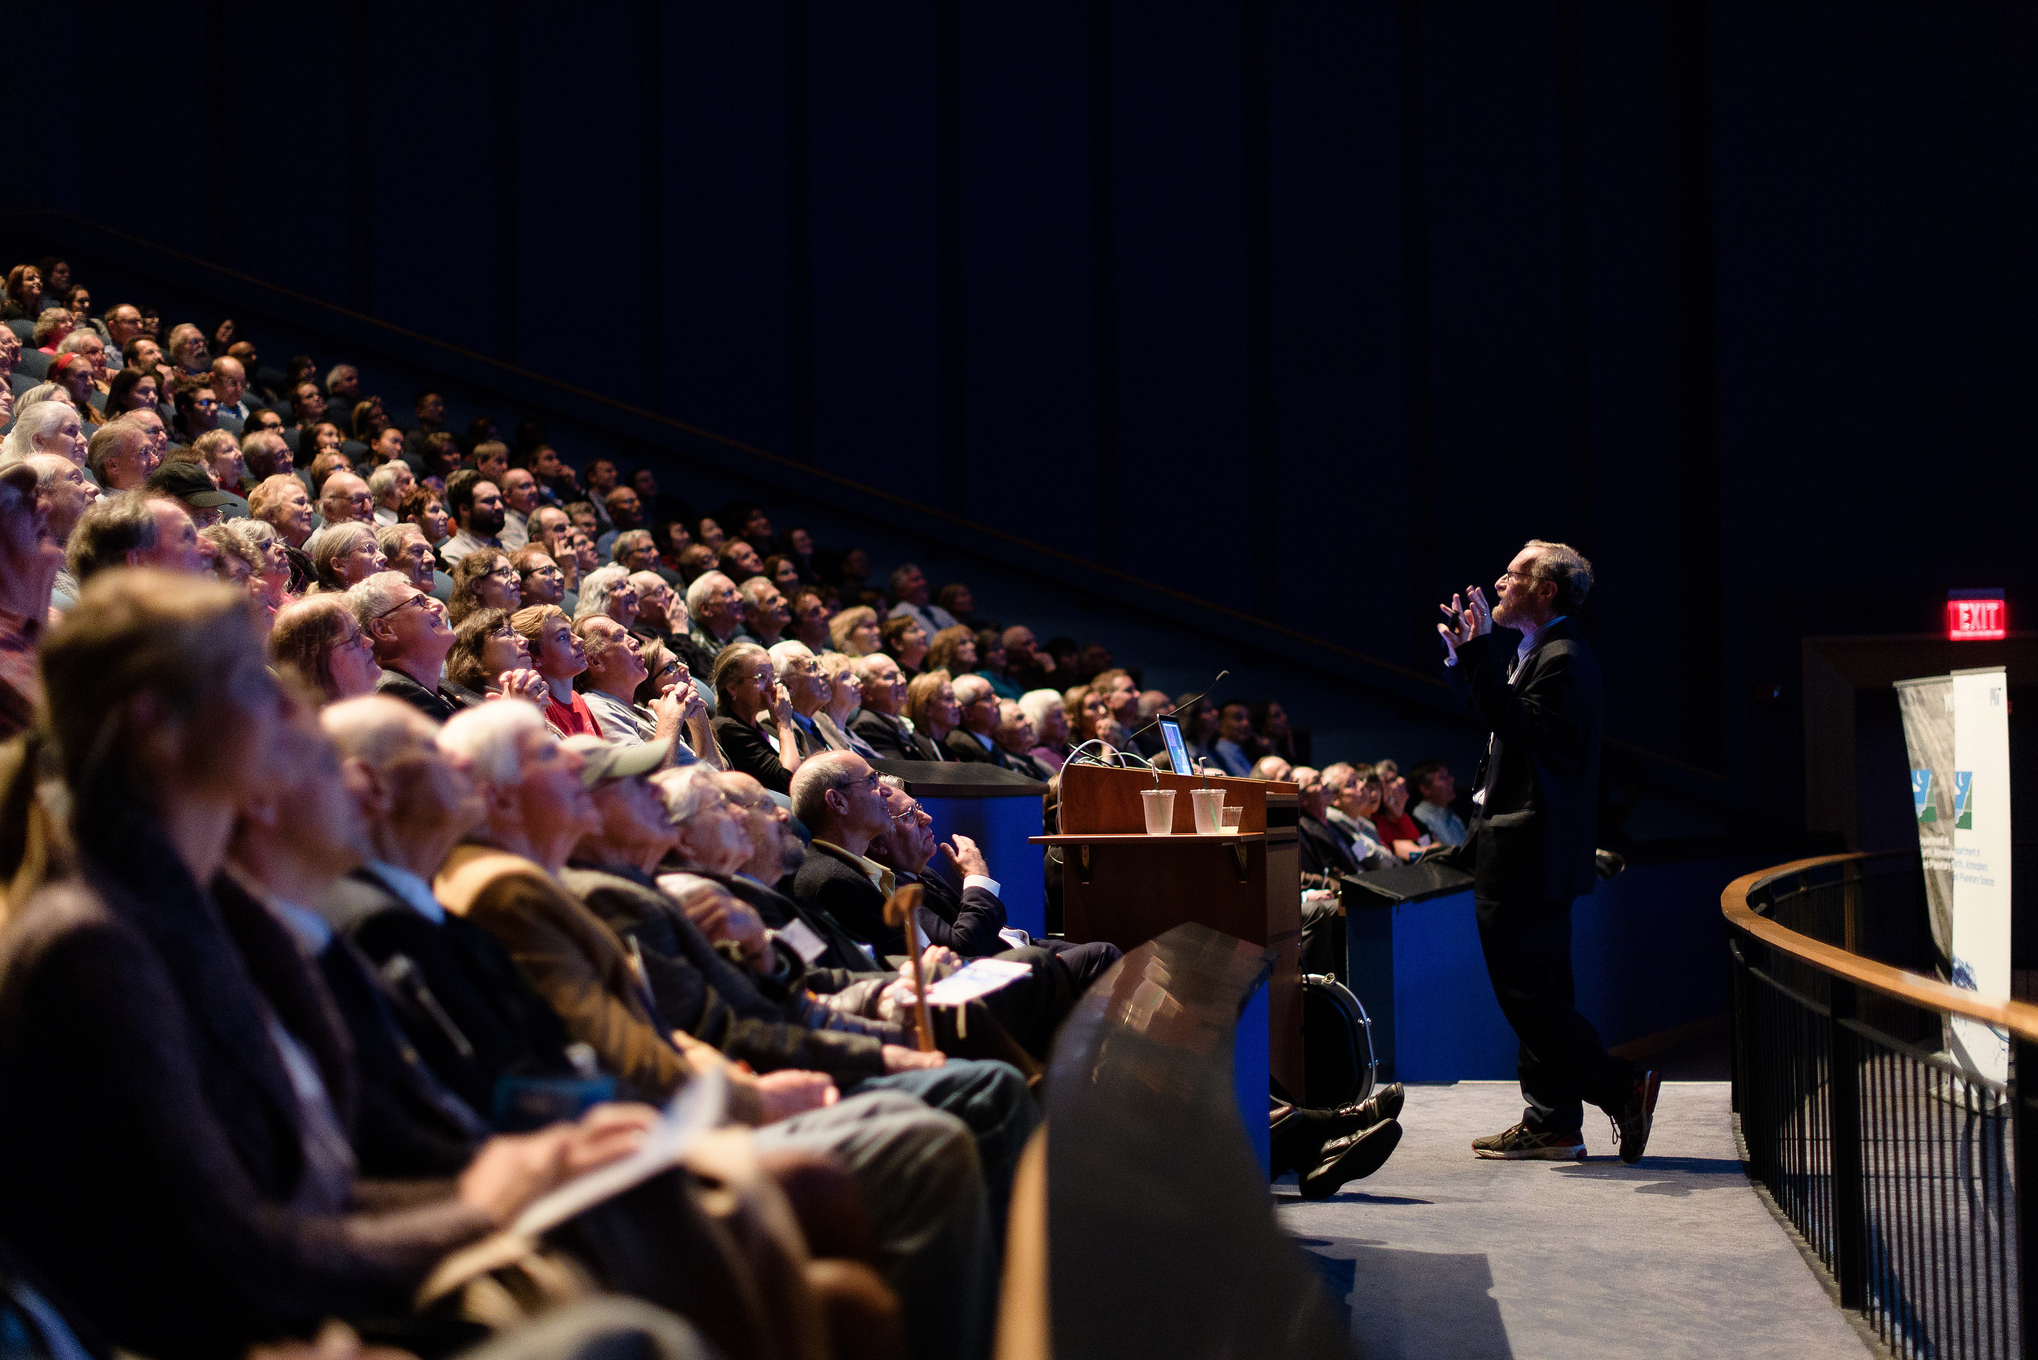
411, 637
615, 669
910, 589
121, 455
389, 484
917, 1168
1016, 737
66, 493
716, 609
230, 385
765, 613
881, 721
607, 591
806, 687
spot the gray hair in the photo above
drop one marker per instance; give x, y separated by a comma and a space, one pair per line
231, 538
333, 373
380, 593
1034, 703
686, 789
787, 650
974, 685
384, 477
110, 529
337, 539
702, 587
490, 736
46, 322
595, 588
43, 392
595, 645
629, 541
817, 777
77, 340
1564, 566
31, 424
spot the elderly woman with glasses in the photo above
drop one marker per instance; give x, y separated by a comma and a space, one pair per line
484, 579
490, 658
344, 555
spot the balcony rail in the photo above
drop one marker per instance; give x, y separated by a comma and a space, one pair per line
1901, 1167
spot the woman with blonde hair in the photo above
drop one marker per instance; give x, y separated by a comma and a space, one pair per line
905, 641
854, 632
953, 650
930, 703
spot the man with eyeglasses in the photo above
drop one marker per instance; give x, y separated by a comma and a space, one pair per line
411, 637
1530, 846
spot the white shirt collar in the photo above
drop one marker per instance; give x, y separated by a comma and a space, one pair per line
415, 892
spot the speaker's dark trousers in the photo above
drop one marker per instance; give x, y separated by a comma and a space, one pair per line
1562, 1064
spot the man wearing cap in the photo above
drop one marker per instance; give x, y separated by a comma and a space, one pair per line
187, 484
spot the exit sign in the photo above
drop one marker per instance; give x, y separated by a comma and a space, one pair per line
1976, 616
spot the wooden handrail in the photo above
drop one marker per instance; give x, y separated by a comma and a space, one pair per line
2020, 1018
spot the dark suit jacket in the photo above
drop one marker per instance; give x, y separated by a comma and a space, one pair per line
462, 1003
431, 703
964, 746
839, 887
155, 1132
974, 916
1324, 851
889, 737
1533, 839
845, 959
714, 1000
749, 752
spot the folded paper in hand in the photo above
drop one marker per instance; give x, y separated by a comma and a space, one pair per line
980, 977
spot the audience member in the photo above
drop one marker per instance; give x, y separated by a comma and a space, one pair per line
30, 558
1273, 769
187, 484
881, 719
854, 632
905, 640
1354, 796
910, 590
1236, 748
346, 554
53, 428
1050, 719
1435, 790
477, 509
953, 650
754, 723
991, 664
133, 529
490, 658
975, 735
411, 637
321, 642
845, 696
64, 493
484, 579
933, 712
556, 654
390, 484
1398, 831
1017, 739
716, 609
765, 614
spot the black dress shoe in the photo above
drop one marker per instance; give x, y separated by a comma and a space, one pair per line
1384, 1103
1350, 1159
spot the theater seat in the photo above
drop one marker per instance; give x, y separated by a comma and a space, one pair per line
22, 327
33, 362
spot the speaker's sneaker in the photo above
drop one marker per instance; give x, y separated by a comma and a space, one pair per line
1523, 1144
1631, 1126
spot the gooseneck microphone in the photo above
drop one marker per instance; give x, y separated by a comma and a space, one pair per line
1191, 704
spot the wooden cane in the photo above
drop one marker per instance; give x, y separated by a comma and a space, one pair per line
902, 909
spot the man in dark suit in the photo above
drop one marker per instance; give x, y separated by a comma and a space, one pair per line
880, 721
411, 637
974, 738
1530, 847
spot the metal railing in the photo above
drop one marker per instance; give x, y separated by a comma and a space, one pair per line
1900, 1166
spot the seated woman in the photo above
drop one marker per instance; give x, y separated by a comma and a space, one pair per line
1090, 720
798, 544
747, 697
953, 650
321, 641
344, 555
845, 696
905, 641
539, 579
930, 703
132, 389
321, 436
1050, 726
271, 582
557, 657
51, 327
47, 427
784, 573
854, 632
484, 579
490, 658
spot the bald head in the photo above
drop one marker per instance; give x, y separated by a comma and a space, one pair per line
376, 729
346, 497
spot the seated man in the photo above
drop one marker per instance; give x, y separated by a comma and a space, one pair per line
1324, 852
477, 509
908, 847
975, 737
765, 613
133, 529
1354, 795
120, 455
1236, 748
1434, 787
609, 685
722, 1002
411, 637
716, 609
881, 721
917, 1168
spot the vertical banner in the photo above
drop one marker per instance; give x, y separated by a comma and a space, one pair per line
1927, 706
1981, 859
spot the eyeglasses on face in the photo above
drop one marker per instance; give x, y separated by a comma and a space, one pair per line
414, 599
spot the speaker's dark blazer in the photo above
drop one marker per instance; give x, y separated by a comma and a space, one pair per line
154, 1133
1533, 839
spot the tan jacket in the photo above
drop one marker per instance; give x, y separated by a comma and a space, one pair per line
576, 963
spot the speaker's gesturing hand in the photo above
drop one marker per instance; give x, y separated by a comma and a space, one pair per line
1468, 615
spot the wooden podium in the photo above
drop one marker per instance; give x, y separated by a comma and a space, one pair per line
1122, 885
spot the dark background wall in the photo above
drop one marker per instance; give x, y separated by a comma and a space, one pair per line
1313, 310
